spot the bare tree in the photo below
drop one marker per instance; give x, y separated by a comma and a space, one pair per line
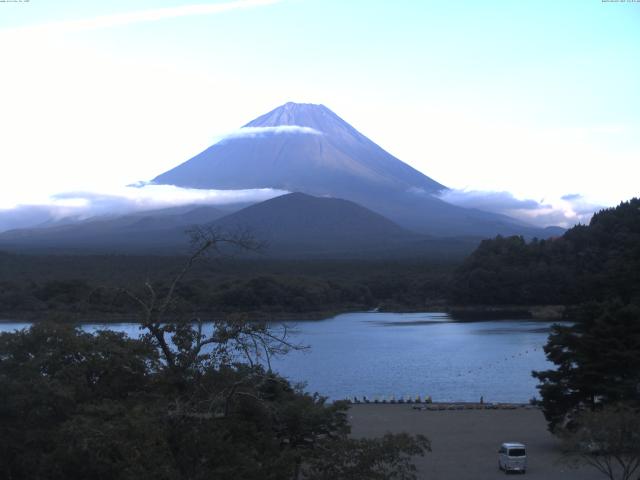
184, 343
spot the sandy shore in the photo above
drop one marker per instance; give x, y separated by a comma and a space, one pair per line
465, 442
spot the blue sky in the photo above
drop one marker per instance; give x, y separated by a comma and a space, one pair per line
537, 98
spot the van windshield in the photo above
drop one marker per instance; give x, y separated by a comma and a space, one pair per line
516, 452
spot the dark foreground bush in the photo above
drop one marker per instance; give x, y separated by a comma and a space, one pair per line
75, 405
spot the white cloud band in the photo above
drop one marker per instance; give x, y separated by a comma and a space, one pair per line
565, 211
252, 132
84, 205
143, 16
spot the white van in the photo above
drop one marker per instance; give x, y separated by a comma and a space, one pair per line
512, 457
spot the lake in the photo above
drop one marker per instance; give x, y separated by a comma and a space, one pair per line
408, 354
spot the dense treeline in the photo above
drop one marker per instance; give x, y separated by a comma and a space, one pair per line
598, 262
86, 285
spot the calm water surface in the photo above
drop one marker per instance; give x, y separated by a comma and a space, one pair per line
384, 354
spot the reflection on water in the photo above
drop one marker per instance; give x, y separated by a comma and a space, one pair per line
383, 354
407, 323
509, 330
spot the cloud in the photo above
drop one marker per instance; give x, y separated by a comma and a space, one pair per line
81, 205
581, 206
142, 16
499, 202
571, 196
252, 132
565, 211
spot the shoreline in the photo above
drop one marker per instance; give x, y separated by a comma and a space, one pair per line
442, 406
458, 314
101, 317
529, 312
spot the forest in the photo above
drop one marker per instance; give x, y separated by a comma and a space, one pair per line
595, 262
36, 286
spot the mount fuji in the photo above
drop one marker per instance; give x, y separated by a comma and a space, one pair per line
309, 149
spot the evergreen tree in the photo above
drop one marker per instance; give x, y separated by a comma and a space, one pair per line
597, 362
600, 262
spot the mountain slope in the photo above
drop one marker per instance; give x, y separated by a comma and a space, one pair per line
332, 161
297, 222
302, 226
308, 148
158, 229
295, 225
